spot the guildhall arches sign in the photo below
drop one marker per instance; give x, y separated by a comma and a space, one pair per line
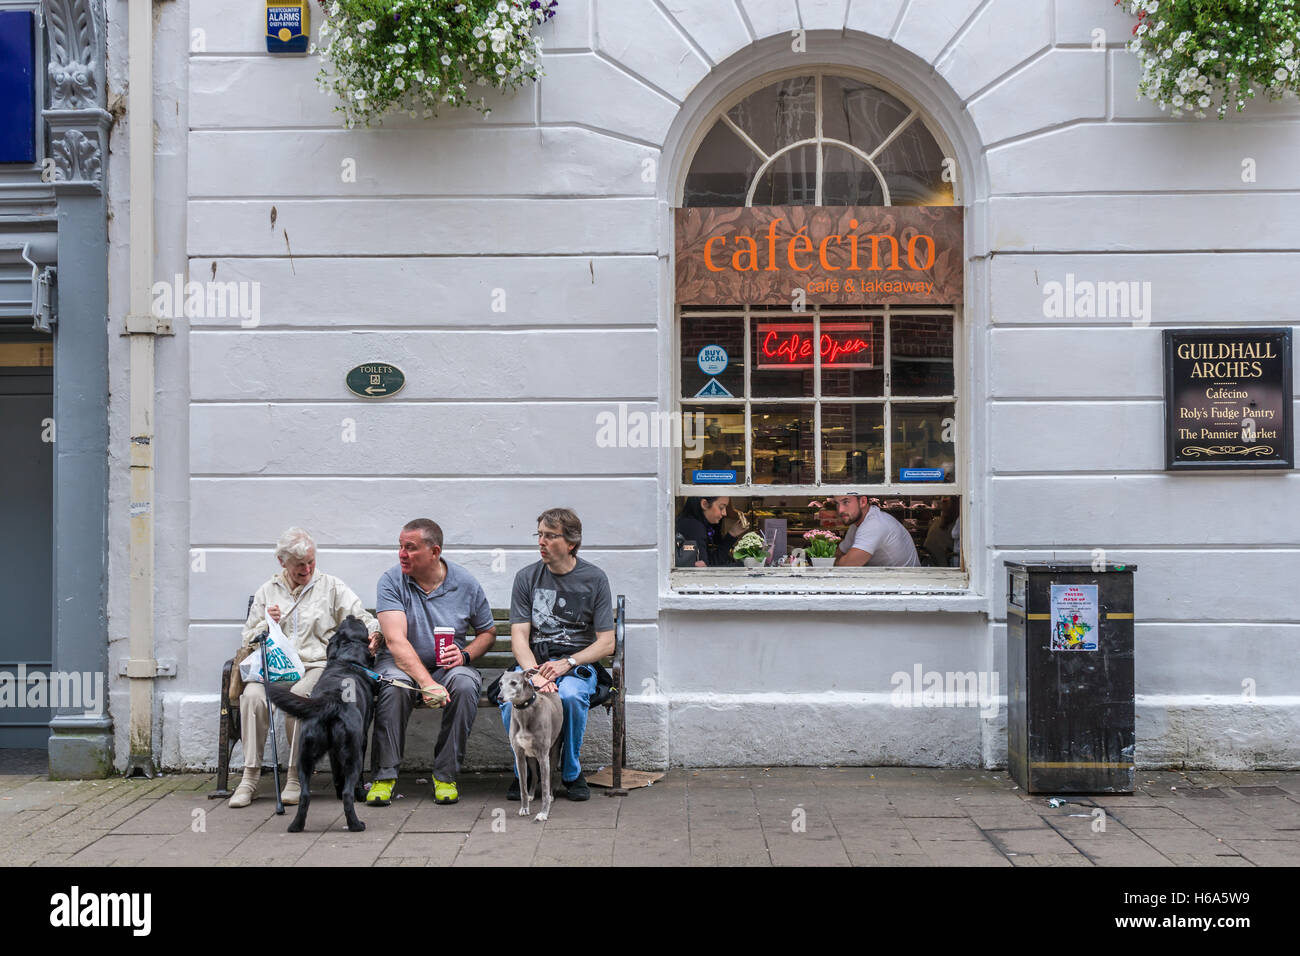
1228, 399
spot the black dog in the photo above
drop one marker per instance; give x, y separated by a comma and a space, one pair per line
334, 719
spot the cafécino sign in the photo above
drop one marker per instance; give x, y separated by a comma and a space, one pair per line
829, 255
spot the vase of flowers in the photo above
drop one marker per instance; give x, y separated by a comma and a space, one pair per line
821, 547
751, 549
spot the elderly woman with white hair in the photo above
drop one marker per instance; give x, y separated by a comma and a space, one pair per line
308, 606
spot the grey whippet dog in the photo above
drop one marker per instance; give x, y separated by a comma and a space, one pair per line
536, 730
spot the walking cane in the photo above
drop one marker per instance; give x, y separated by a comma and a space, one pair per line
270, 709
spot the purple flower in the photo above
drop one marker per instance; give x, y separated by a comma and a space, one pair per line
534, 5
396, 17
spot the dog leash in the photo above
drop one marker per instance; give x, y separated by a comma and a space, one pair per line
440, 698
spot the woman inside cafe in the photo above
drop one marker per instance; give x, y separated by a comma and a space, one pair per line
700, 524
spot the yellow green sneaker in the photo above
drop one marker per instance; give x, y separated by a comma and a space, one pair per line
444, 792
381, 793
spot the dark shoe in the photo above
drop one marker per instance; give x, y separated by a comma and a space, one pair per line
578, 789
513, 792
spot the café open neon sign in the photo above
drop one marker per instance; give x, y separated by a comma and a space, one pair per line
790, 345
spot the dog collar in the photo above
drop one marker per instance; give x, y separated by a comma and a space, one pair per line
527, 705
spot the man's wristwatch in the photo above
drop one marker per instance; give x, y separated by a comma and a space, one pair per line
571, 662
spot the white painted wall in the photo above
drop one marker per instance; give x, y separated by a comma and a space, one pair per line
1066, 172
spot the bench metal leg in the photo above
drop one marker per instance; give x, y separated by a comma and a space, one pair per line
224, 744
620, 741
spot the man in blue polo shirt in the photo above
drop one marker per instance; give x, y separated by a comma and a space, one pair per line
422, 592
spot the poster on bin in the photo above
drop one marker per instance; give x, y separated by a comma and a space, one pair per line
1074, 617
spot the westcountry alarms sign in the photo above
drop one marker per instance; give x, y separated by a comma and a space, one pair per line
843, 255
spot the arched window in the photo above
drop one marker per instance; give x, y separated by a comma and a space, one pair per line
822, 140
770, 432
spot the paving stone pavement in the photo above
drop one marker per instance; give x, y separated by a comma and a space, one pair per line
782, 816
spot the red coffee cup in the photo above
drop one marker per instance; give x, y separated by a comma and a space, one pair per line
443, 637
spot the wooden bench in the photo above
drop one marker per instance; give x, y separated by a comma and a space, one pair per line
497, 660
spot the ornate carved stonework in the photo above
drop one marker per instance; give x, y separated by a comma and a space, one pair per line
76, 156
75, 58
76, 119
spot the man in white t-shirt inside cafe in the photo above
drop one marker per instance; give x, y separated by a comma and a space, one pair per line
873, 537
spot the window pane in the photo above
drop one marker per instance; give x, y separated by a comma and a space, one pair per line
918, 440
782, 356
722, 445
920, 355
853, 444
858, 113
791, 180
848, 181
843, 371
708, 342
721, 170
783, 444
913, 167
780, 114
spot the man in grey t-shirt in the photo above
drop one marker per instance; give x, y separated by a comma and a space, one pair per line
873, 537
562, 622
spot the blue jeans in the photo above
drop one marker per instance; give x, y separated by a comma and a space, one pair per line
575, 698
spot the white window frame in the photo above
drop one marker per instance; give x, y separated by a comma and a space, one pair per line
690, 584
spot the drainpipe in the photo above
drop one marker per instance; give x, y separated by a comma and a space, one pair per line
141, 327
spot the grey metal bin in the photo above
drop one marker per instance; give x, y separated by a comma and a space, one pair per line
1070, 723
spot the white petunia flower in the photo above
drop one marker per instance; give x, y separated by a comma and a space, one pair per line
1279, 74
445, 60
1203, 102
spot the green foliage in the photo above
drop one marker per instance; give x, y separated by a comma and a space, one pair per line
749, 546
1199, 55
418, 55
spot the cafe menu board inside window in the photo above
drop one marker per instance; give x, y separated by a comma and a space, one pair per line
1228, 399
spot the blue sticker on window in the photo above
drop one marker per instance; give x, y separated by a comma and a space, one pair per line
712, 360
713, 477
920, 474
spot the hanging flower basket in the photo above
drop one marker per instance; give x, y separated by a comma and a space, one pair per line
1201, 55
416, 56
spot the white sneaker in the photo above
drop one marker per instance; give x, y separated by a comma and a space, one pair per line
291, 792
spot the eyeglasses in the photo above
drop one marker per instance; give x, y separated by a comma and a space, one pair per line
548, 535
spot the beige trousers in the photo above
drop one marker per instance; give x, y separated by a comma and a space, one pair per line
254, 721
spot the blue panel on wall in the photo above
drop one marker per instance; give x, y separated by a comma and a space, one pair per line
17, 87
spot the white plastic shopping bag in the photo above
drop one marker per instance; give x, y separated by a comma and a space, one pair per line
282, 659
